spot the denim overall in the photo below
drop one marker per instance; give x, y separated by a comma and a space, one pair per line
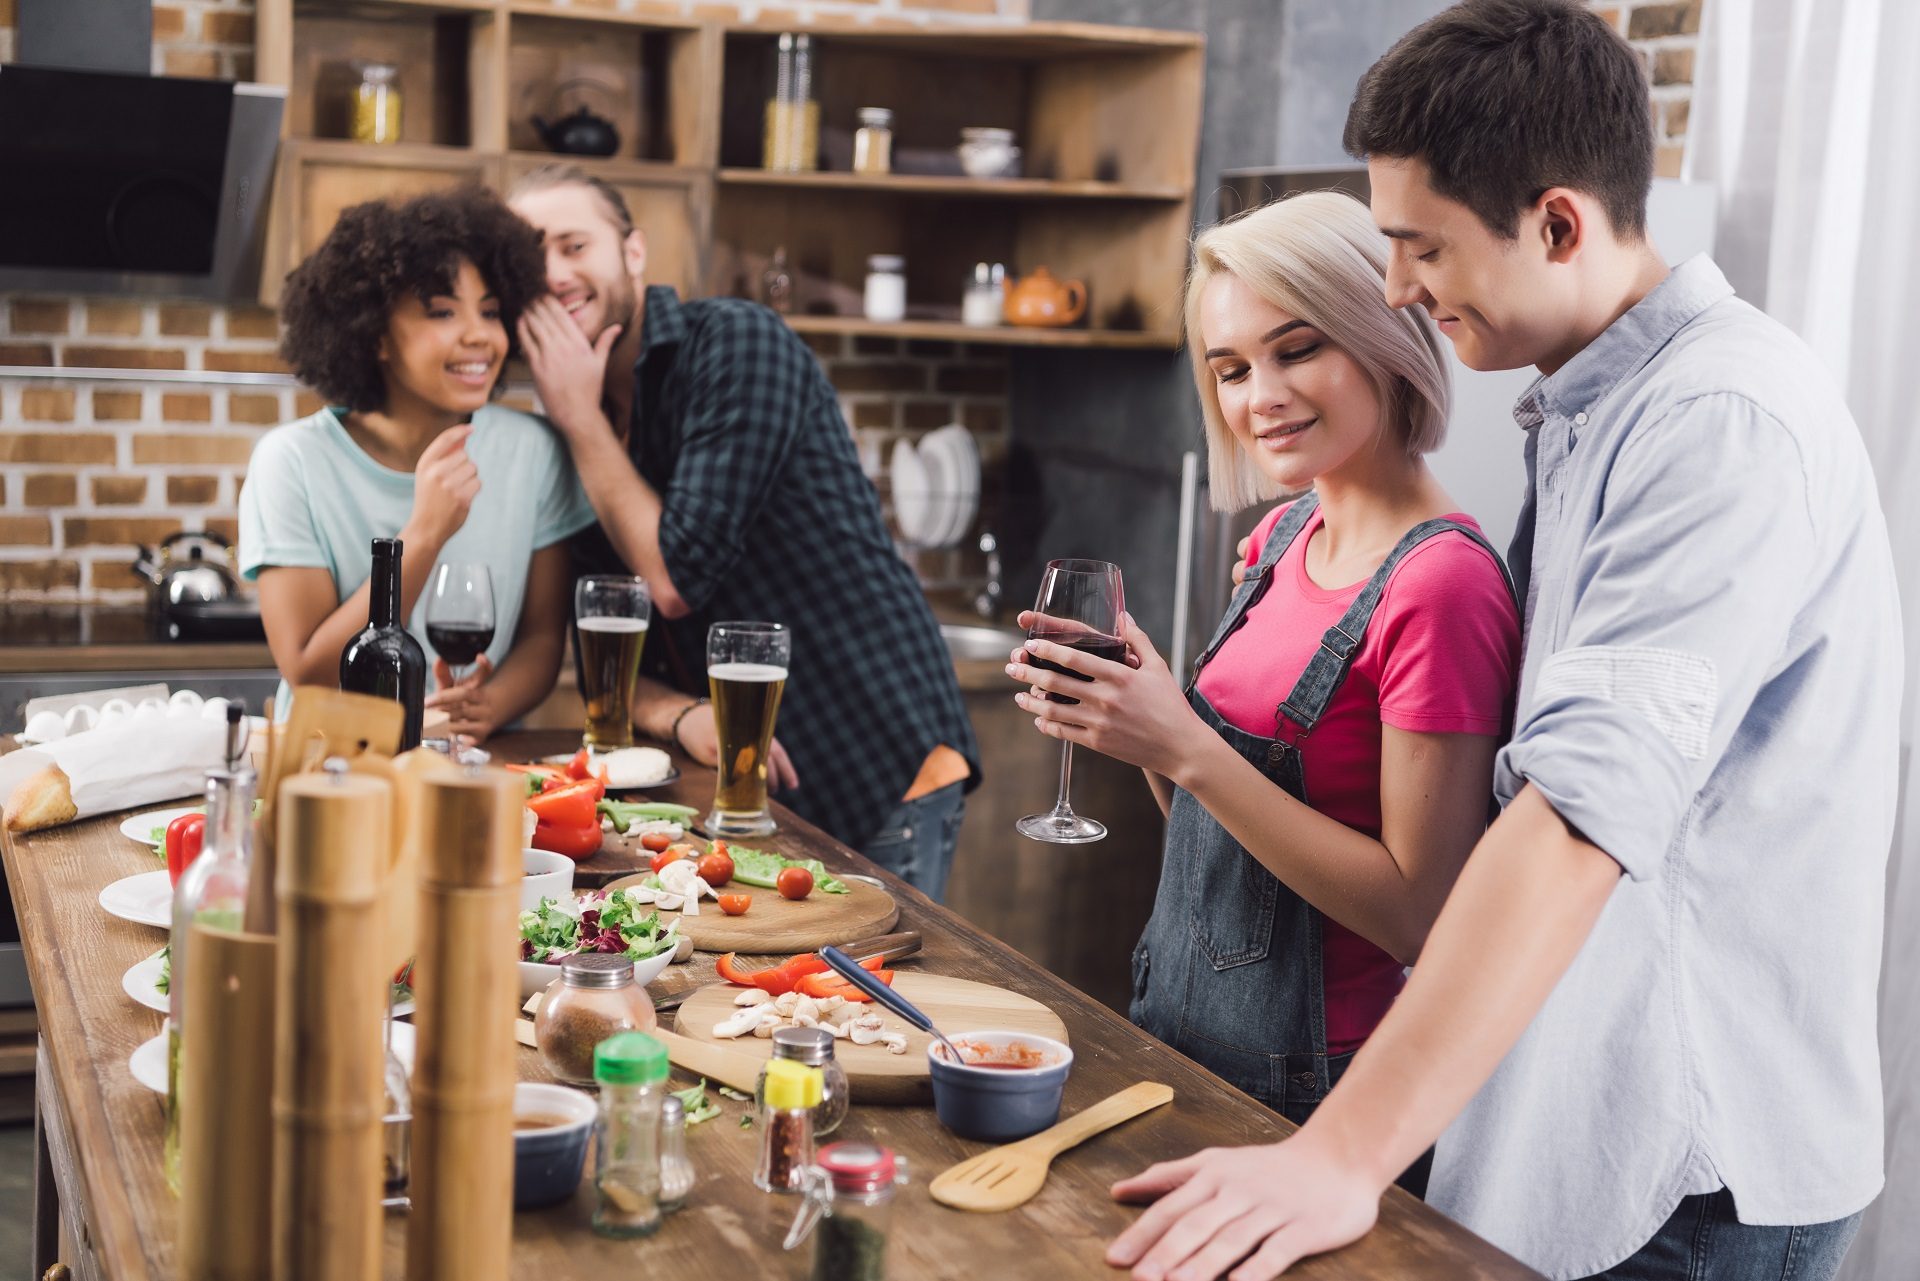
1228, 970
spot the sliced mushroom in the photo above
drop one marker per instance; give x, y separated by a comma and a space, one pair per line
839, 1030
831, 1003
867, 1029
806, 1007
683, 952
896, 1042
753, 996
739, 1023
787, 1003
765, 1030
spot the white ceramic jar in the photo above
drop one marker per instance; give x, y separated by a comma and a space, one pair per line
886, 294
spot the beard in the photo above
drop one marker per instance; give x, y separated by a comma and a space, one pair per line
617, 304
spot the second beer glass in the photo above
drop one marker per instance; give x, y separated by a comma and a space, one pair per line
746, 674
611, 612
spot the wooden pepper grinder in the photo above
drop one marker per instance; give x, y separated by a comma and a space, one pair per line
335, 847
467, 985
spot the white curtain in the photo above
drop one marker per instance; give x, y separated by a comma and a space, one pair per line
1807, 120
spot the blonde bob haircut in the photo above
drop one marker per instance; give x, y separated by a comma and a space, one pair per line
1318, 257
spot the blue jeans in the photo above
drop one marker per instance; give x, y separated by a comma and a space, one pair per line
1703, 1241
916, 841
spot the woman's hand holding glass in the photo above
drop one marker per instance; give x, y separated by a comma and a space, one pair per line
471, 708
1134, 712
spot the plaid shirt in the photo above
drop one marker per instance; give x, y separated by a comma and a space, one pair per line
766, 514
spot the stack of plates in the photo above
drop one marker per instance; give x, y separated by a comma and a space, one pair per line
936, 486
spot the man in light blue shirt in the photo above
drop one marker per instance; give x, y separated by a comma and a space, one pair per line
1650, 999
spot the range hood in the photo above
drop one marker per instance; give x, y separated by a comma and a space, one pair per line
133, 184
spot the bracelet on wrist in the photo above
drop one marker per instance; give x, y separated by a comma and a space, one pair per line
673, 734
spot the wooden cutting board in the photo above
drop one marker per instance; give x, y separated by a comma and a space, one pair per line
874, 1075
776, 924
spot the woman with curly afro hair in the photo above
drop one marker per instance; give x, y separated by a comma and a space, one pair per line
403, 320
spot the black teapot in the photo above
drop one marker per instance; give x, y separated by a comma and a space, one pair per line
580, 134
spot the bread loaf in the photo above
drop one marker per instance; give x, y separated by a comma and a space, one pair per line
41, 799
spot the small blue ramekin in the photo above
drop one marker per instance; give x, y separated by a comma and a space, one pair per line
548, 1163
998, 1105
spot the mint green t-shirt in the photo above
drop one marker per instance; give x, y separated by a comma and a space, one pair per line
315, 499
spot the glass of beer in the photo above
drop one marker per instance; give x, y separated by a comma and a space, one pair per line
746, 674
611, 612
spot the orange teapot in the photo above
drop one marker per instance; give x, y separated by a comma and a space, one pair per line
1042, 300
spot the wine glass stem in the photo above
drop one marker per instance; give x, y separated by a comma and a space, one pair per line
1062, 806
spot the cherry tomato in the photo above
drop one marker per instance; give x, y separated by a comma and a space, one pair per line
735, 904
654, 842
575, 842
184, 838
672, 854
794, 882
577, 767
719, 847
716, 869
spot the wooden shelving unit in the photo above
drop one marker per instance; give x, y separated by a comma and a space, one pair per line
1108, 118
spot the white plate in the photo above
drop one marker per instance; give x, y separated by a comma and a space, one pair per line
911, 508
137, 827
148, 1063
145, 899
944, 485
954, 446
621, 781
140, 985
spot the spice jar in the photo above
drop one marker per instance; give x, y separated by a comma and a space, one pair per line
786, 1125
790, 139
886, 293
985, 302
873, 141
849, 1209
631, 1071
594, 997
376, 103
812, 1046
676, 1171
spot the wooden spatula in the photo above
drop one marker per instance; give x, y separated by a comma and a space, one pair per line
1004, 1177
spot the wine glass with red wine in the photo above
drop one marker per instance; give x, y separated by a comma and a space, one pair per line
1079, 606
460, 614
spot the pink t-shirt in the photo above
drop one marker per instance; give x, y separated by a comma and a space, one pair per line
1439, 657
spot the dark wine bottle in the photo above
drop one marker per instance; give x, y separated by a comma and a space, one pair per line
385, 660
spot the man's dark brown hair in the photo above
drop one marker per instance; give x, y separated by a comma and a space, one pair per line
338, 301
1504, 99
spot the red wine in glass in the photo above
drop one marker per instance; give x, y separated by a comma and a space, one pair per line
460, 643
1111, 648
1079, 606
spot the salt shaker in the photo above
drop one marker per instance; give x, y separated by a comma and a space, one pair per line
631, 1070
676, 1171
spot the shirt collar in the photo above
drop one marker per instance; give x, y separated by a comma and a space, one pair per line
1625, 345
663, 322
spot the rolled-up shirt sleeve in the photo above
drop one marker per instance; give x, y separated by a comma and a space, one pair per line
747, 392
1684, 598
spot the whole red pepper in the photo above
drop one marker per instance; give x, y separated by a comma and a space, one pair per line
185, 835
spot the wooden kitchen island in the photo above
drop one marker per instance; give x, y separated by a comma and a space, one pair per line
103, 1210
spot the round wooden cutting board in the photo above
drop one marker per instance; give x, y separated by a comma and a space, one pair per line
776, 924
874, 1075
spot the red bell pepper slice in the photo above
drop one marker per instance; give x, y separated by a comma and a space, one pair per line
820, 986
780, 979
569, 806
575, 842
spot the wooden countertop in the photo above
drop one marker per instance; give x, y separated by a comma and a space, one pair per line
47, 639
104, 1130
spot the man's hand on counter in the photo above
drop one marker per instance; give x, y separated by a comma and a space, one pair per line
1270, 1206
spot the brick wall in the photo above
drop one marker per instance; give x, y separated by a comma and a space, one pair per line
88, 470
1666, 33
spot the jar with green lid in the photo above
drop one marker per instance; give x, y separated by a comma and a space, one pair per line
812, 1046
631, 1071
791, 1092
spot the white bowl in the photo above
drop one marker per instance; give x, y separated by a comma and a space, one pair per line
548, 875
537, 1098
535, 976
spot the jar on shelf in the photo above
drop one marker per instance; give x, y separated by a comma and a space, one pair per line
376, 103
812, 1047
985, 302
791, 141
873, 141
886, 292
594, 997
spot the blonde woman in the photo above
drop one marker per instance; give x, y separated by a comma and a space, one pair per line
1330, 767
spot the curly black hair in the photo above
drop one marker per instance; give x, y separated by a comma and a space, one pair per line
336, 304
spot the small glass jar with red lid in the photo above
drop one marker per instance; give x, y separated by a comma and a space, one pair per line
849, 1208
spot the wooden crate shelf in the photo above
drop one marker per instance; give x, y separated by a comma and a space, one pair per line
1108, 119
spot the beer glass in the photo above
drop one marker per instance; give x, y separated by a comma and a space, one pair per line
611, 612
746, 674
1079, 606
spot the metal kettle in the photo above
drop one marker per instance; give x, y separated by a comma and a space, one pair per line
188, 568
580, 134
